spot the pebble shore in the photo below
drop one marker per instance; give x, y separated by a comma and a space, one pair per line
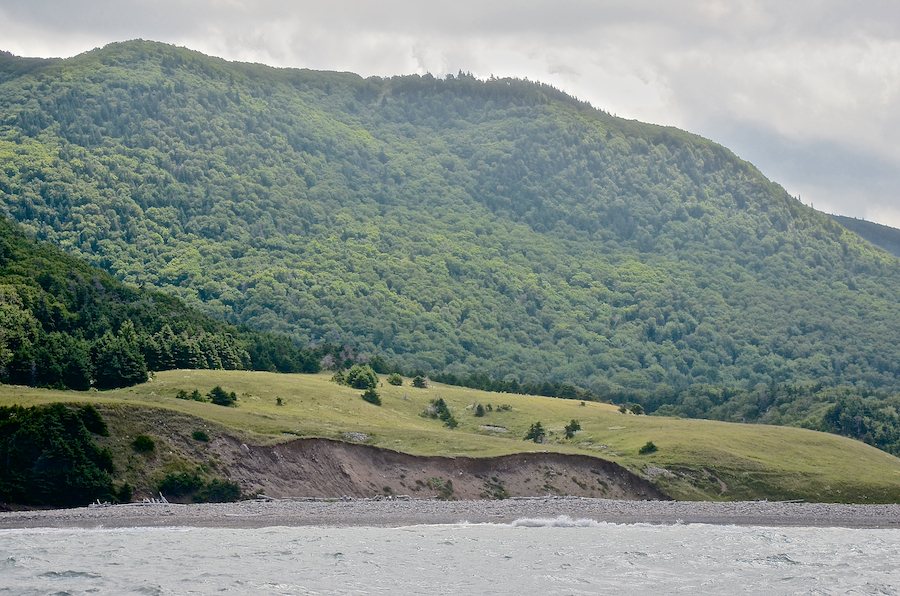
405, 511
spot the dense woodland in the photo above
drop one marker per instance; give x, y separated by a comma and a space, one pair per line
50, 458
475, 229
65, 324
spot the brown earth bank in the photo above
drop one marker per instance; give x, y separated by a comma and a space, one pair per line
328, 468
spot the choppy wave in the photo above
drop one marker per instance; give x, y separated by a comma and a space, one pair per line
562, 521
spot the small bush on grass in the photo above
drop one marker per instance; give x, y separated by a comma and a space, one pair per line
439, 409
371, 396
199, 435
143, 444
535, 433
93, 421
220, 397
395, 379
193, 395
419, 382
361, 377
572, 428
649, 447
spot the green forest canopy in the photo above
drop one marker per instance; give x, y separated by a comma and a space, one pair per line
65, 324
454, 225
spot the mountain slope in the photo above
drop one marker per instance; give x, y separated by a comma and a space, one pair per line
880, 235
456, 225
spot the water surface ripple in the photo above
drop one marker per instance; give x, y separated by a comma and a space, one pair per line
530, 556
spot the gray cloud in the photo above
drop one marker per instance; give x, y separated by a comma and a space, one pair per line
807, 91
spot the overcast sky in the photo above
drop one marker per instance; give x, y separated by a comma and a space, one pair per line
808, 91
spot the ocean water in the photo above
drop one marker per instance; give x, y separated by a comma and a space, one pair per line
558, 556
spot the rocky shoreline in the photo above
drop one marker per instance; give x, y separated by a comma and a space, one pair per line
395, 512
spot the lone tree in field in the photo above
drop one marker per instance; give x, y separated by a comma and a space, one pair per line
371, 396
535, 433
572, 428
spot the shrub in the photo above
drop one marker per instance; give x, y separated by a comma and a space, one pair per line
439, 409
361, 377
371, 396
218, 491
124, 494
419, 382
200, 491
572, 428
443, 487
395, 379
92, 420
649, 447
199, 435
278, 401
143, 444
637, 409
194, 395
535, 433
220, 397
176, 485
479, 411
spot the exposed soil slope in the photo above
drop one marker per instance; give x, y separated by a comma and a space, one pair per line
326, 468
313, 467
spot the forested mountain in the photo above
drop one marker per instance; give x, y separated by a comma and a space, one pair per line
880, 235
64, 324
454, 225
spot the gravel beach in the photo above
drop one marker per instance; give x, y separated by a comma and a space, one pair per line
403, 512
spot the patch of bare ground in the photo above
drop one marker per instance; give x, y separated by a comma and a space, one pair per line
327, 468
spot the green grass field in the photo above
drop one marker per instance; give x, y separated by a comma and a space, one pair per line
696, 459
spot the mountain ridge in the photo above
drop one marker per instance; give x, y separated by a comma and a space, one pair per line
453, 225
886, 237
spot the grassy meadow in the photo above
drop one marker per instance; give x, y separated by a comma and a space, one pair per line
696, 459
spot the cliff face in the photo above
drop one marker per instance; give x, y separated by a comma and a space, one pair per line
326, 468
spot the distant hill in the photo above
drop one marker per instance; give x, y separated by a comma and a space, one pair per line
452, 225
65, 324
880, 235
